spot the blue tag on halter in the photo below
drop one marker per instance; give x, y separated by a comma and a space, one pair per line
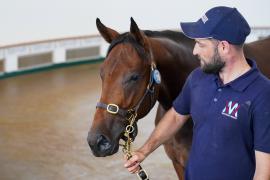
156, 76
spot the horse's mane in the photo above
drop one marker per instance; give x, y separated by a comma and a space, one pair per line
176, 36
126, 37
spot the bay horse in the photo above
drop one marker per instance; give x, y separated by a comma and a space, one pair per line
127, 84
260, 51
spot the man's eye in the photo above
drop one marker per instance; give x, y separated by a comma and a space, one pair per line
199, 44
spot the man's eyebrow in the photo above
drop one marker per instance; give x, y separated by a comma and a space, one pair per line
198, 41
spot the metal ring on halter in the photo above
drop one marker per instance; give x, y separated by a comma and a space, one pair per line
129, 129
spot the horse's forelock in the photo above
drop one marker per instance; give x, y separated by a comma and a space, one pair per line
128, 38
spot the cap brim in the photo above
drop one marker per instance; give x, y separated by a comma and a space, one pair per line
194, 30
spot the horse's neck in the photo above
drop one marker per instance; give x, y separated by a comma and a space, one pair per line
175, 62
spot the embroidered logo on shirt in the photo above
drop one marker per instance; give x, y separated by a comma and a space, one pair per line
231, 109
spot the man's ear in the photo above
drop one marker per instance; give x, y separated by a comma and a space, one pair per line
224, 47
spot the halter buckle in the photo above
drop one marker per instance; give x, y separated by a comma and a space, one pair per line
112, 108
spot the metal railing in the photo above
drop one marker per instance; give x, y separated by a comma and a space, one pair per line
10, 55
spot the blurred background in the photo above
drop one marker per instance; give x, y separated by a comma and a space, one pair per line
50, 53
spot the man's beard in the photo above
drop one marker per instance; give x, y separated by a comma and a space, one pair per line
215, 65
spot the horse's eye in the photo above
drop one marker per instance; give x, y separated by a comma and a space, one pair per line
134, 77
131, 79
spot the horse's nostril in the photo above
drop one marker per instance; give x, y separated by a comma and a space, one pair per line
102, 143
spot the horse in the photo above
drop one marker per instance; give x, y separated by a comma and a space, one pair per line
259, 51
128, 85
125, 73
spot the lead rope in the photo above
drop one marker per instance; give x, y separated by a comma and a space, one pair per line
142, 175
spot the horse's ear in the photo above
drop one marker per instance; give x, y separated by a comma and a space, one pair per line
138, 34
107, 33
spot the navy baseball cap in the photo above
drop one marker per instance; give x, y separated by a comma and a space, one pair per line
221, 23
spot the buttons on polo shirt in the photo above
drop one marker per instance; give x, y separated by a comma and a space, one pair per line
215, 99
219, 89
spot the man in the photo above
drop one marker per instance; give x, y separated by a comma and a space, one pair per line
229, 101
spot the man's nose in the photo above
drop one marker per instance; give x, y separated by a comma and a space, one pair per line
195, 50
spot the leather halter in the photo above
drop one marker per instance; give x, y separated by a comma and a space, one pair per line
116, 110
131, 116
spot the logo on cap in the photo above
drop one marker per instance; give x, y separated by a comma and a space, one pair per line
204, 19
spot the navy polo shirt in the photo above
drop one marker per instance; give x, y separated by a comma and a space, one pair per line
230, 122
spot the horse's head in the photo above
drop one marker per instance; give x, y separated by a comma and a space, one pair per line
128, 87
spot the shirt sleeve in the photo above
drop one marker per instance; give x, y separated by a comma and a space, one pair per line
182, 102
261, 123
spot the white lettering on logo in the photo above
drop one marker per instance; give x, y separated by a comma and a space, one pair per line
231, 109
204, 19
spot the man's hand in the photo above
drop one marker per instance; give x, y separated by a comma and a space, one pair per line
133, 163
166, 128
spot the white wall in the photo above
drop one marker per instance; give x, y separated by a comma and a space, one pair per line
29, 20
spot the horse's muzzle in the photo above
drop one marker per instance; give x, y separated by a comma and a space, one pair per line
101, 146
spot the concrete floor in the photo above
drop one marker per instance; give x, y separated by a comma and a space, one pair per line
44, 121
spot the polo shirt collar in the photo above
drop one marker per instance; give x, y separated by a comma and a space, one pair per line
242, 82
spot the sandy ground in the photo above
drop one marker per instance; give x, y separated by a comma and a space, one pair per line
44, 121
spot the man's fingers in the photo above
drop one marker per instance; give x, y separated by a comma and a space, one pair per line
131, 161
133, 164
135, 168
